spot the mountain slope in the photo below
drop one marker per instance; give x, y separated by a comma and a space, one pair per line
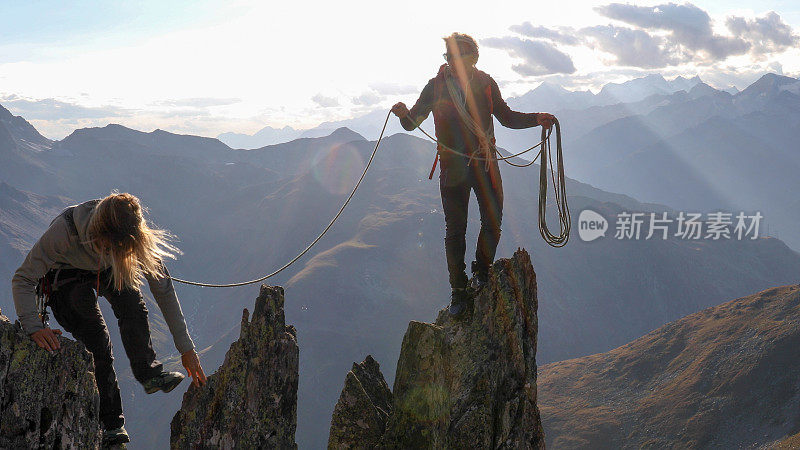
725, 377
240, 214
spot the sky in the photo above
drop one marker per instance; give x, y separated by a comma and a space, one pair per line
207, 67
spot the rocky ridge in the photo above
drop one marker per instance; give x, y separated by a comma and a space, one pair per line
46, 400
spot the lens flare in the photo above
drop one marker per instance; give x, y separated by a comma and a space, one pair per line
337, 168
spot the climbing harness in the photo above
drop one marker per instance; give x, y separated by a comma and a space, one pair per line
43, 293
559, 187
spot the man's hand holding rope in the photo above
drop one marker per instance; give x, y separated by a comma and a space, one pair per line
546, 120
400, 110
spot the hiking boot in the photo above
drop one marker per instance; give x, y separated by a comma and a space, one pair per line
458, 301
115, 436
166, 381
480, 277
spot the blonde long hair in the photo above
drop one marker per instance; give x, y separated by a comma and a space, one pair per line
119, 232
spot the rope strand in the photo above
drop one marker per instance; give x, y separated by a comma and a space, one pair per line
300, 255
559, 187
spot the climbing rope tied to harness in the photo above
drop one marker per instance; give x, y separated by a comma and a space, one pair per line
544, 151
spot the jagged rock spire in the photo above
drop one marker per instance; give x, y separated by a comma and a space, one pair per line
466, 383
251, 401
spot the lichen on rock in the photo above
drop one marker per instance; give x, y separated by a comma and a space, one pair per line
46, 400
463, 383
251, 401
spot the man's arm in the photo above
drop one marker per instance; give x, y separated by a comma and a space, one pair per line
508, 117
419, 112
167, 300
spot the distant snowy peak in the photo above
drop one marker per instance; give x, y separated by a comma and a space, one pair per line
685, 84
771, 84
701, 90
641, 88
552, 97
263, 137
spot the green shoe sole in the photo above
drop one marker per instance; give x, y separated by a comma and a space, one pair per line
165, 386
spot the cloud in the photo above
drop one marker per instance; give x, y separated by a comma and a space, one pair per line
634, 48
325, 102
200, 102
393, 89
368, 98
689, 27
562, 35
52, 109
539, 58
767, 34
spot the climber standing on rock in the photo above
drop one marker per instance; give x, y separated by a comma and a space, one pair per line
463, 100
105, 247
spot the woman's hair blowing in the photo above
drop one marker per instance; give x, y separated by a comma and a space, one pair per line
119, 231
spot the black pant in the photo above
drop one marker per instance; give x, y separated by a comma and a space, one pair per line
455, 184
75, 307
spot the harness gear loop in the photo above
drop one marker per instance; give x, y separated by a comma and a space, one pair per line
435, 160
43, 292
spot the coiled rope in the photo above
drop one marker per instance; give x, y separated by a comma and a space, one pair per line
557, 176
558, 183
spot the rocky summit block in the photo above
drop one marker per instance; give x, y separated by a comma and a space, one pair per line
468, 382
46, 400
251, 401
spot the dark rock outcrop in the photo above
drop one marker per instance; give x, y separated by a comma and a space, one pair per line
46, 400
251, 401
360, 415
460, 383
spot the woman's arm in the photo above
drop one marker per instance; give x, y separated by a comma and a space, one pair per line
40, 259
167, 300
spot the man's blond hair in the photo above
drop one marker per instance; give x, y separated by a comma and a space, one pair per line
464, 42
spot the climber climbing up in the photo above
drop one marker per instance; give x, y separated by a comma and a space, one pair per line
463, 100
105, 247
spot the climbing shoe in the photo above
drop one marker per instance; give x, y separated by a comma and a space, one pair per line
480, 277
166, 381
115, 436
459, 298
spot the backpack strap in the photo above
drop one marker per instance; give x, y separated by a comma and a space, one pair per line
69, 216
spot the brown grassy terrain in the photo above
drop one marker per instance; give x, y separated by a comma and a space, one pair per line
725, 377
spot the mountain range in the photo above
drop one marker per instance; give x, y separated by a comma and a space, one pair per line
547, 96
241, 213
724, 377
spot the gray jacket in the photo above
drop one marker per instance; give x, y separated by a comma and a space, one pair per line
59, 248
